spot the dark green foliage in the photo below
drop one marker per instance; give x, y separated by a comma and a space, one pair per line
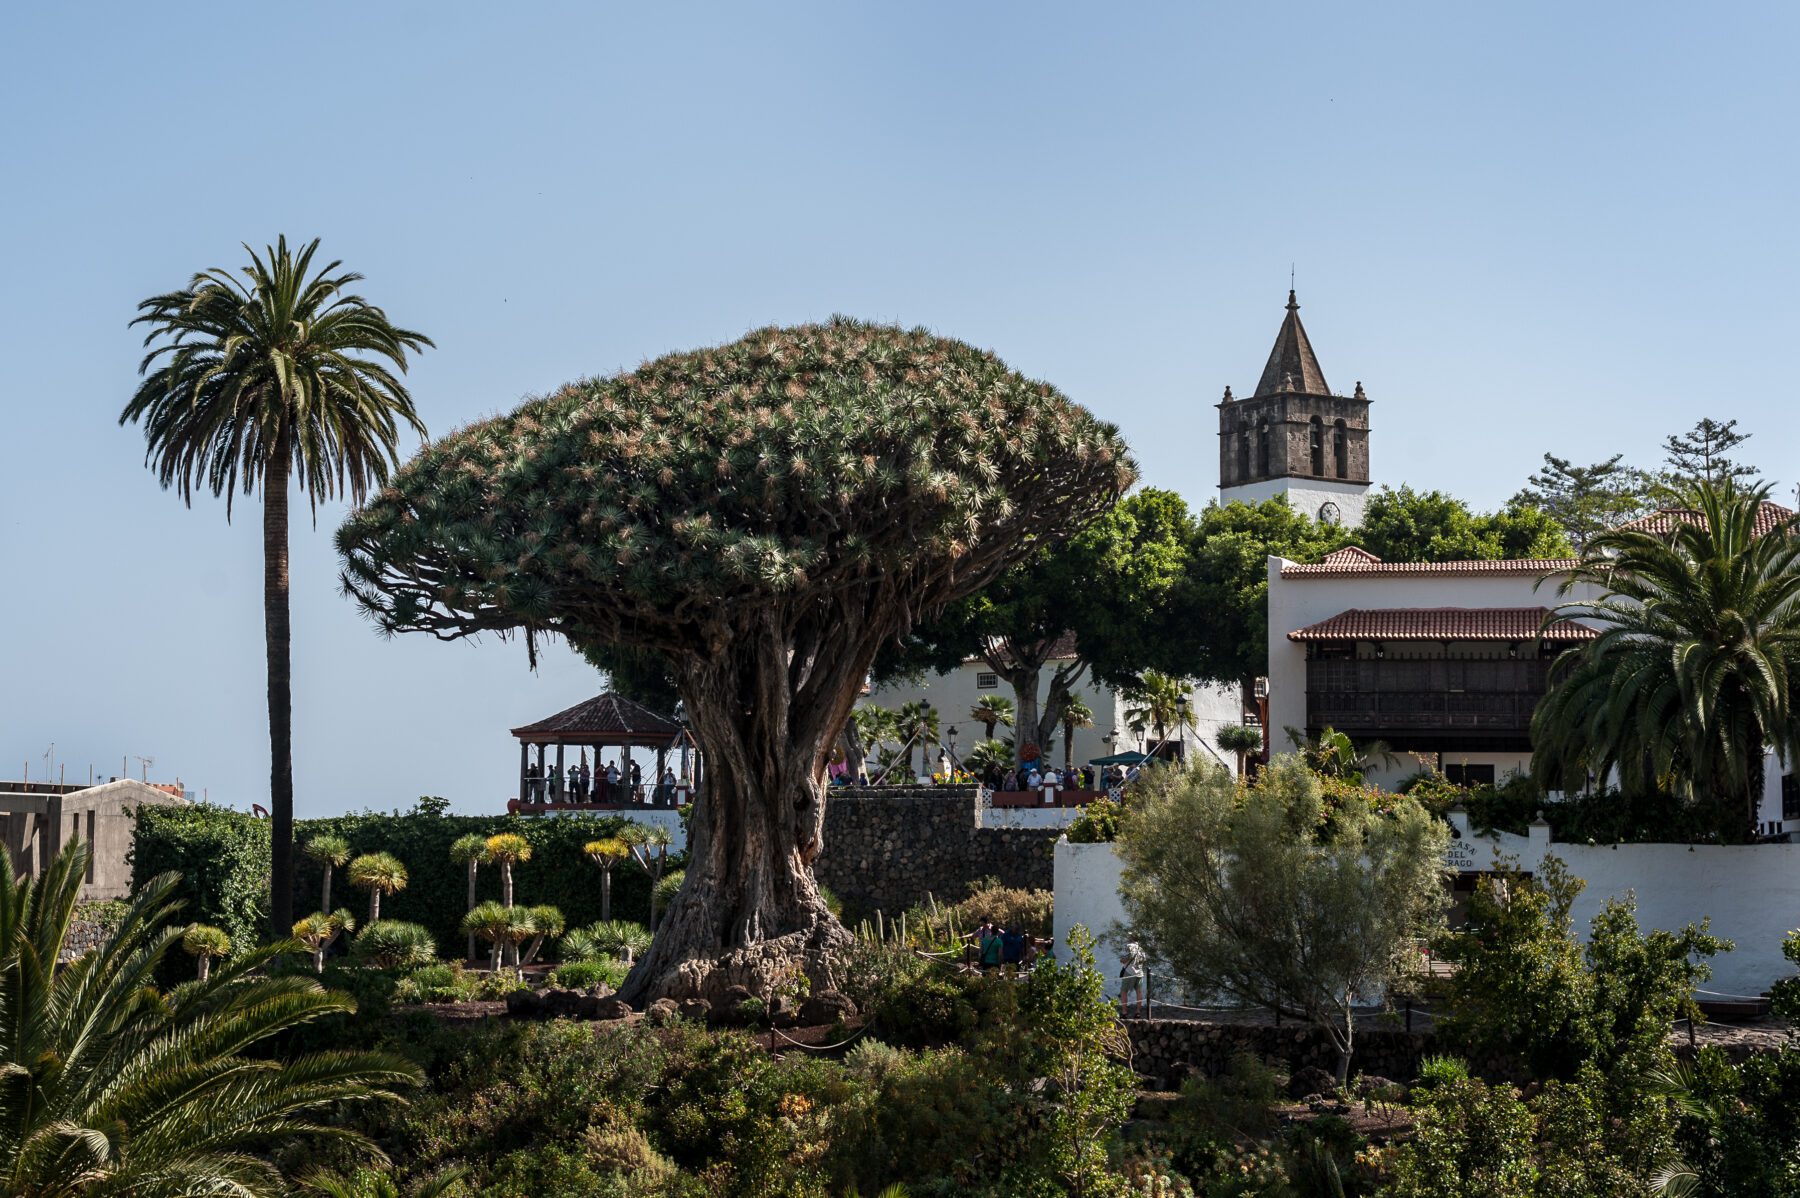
1586, 500
933, 1008
1405, 525
1526, 988
394, 944
1097, 823
585, 975
223, 858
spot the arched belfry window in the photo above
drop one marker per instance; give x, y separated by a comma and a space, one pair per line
1318, 446
1262, 449
1243, 454
1340, 449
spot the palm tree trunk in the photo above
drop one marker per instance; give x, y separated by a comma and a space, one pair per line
325, 891
1068, 747
205, 966
374, 905
606, 894
277, 634
473, 866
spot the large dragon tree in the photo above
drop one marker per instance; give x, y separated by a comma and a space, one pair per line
762, 515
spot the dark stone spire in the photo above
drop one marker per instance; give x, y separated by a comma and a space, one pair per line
1292, 369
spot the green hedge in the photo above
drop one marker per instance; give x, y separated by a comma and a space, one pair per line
223, 857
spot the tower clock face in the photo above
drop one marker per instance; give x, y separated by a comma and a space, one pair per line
1329, 513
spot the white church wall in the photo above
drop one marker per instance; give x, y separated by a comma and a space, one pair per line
1306, 496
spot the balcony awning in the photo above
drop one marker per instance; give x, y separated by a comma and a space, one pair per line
1442, 624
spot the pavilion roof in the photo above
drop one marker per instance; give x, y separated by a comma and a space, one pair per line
606, 719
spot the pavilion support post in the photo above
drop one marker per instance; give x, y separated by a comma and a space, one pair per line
662, 765
556, 790
524, 774
625, 791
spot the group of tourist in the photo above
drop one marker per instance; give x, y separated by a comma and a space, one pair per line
992, 947
1035, 776
546, 784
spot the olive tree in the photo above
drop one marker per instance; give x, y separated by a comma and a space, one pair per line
1268, 898
762, 517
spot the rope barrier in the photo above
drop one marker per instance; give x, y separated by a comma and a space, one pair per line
775, 1031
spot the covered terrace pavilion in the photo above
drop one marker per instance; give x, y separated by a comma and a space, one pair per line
607, 721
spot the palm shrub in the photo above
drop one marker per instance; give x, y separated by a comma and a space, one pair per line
469, 851
606, 853
318, 931
111, 1087
1075, 714
991, 711
394, 944
272, 373
379, 874
608, 938
1242, 740
329, 853
1690, 682
205, 942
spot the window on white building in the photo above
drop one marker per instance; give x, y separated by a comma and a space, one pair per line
987, 682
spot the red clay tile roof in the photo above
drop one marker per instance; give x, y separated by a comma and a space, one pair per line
1342, 565
1767, 518
1442, 624
604, 719
1349, 555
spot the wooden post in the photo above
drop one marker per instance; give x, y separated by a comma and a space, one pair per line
557, 789
524, 773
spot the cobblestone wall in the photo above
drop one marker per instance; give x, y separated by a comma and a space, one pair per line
83, 935
888, 849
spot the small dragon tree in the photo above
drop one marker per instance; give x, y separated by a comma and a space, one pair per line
379, 874
761, 517
329, 852
507, 850
606, 853
649, 846
318, 930
205, 942
502, 926
469, 851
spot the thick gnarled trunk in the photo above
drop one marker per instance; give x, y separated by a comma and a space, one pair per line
749, 912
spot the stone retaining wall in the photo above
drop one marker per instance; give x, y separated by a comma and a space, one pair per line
83, 935
887, 848
1165, 1051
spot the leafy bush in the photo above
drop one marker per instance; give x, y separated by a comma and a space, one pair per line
490, 987
932, 1008
1471, 1138
585, 975
394, 944
223, 857
1011, 907
1098, 823
435, 984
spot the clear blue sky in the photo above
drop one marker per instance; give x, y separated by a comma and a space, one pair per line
1522, 227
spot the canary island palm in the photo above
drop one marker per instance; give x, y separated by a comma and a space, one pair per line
606, 853
379, 874
991, 711
330, 853
270, 374
469, 851
1075, 714
112, 1087
1690, 682
763, 517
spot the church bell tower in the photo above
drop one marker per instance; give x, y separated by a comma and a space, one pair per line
1293, 437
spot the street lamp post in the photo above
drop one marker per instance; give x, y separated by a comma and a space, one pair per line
1181, 706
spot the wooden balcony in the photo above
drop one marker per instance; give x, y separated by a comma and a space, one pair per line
1426, 703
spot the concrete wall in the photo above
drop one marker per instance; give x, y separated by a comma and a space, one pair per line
36, 827
1751, 892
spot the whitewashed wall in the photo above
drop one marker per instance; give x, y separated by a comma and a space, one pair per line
1025, 817
1087, 893
1751, 892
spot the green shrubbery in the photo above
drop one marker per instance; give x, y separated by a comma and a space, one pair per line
223, 857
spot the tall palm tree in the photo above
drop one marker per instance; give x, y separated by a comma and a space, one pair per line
329, 852
992, 711
379, 874
469, 851
278, 375
1690, 682
111, 1087
917, 727
1156, 704
1075, 714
